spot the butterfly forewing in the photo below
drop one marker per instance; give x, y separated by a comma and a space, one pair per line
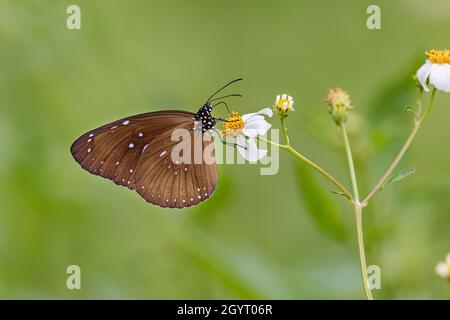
136, 152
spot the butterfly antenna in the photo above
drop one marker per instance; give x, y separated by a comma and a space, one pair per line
228, 95
223, 87
223, 102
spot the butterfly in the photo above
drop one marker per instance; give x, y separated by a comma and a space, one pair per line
137, 152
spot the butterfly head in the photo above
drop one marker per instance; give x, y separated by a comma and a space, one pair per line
205, 117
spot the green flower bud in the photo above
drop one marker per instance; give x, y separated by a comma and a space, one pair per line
339, 102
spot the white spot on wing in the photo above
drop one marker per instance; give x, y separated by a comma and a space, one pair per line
126, 122
91, 135
131, 145
162, 154
140, 134
89, 150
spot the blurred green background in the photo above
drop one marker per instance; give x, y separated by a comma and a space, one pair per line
284, 236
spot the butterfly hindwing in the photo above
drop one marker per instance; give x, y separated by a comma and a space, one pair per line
165, 181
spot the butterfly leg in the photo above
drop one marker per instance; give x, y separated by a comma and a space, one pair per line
227, 143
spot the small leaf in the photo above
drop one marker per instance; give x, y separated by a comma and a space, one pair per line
340, 193
411, 110
401, 175
319, 204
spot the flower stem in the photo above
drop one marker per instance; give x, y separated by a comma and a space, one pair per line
362, 255
321, 171
310, 163
351, 165
358, 213
430, 105
284, 130
420, 118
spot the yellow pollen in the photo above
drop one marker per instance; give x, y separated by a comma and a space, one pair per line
438, 56
233, 124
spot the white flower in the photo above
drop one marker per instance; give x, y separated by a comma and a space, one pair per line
436, 69
244, 129
443, 268
284, 104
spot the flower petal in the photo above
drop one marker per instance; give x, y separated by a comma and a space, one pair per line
440, 77
257, 126
248, 149
423, 73
277, 99
442, 270
266, 112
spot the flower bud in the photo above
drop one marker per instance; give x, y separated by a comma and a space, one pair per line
443, 268
339, 102
283, 105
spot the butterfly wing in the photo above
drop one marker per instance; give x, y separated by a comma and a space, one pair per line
165, 181
130, 152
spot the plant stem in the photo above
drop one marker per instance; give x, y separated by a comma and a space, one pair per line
313, 165
321, 171
284, 130
417, 123
358, 213
429, 106
362, 255
351, 165
393, 165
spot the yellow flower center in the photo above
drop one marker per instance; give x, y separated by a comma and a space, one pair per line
438, 56
233, 124
283, 104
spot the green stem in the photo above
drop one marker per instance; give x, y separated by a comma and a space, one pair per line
351, 165
429, 106
420, 118
313, 165
284, 130
321, 171
362, 255
358, 213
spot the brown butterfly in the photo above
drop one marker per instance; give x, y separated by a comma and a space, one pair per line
135, 152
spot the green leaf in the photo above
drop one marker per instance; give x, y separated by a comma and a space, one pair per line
319, 204
340, 193
402, 174
411, 109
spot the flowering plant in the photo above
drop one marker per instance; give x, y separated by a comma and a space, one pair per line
247, 129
